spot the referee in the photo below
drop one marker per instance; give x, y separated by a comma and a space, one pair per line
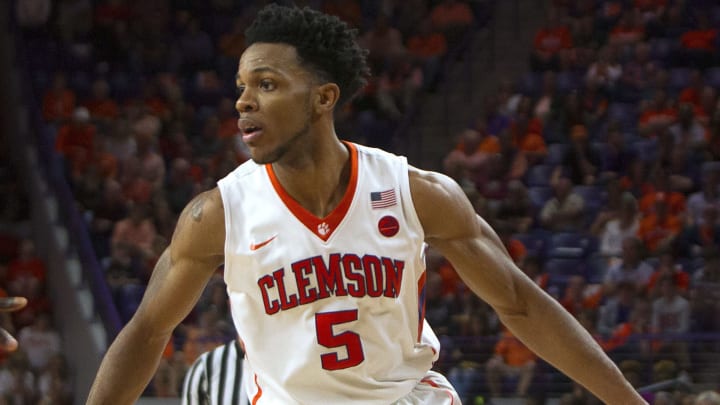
215, 378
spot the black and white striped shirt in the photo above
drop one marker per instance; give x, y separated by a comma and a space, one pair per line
215, 378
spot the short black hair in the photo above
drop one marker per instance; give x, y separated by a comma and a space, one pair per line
325, 45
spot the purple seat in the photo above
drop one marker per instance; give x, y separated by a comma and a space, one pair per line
712, 77
556, 153
539, 175
560, 270
679, 79
539, 195
569, 245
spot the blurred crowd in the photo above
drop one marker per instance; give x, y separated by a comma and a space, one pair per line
138, 98
597, 168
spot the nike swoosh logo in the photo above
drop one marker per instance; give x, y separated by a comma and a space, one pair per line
257, 246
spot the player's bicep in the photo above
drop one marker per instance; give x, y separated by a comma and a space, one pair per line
466, 240
183, 270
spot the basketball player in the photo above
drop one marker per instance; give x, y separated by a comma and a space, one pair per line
323, 242
216, 377
9, 304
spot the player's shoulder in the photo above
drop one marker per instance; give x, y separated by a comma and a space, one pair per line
440, 203
201, 225
431, 185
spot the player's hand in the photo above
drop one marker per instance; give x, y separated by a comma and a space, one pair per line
9, 304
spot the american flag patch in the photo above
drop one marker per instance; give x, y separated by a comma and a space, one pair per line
383, 199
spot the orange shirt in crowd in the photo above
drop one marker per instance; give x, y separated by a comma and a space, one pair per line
674, 200
531, 142
681, 279
449, 15
106, 108
652, 230
627, 34
652, 115
513, 351
489, 144
427, 46
703, 40
552, 40
58, 106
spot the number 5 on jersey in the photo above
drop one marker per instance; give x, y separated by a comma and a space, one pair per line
324, 322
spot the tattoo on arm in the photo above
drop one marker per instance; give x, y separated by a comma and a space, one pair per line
196, 210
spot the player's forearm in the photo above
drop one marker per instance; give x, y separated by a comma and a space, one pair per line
127, 368
551, 332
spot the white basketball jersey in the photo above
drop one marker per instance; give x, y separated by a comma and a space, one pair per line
330, 309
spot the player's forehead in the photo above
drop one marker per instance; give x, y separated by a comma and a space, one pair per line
278, 57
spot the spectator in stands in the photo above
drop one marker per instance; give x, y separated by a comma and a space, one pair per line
516, 209
657, 115
708, 195
75, 141
527, 138
510, 164
675, 201
699, 44
628, 31
17, 382
179, 187
453, 18
581, 160
470, 154
120, 142
698, 236
144, 172
617, 308
564, 211
659, 228
637, 72
26, 271
385, 44
605, 71
668, 267
550, 43
631, 267
511, 358
58, 102
53, 384
682, 168
40, 341
135, 233
579, 296
628, 341
196, 47
102, 108
613, 227
688, 130
427, 49
670, 317
549, 101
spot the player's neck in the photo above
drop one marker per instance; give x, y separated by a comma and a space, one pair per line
318, 179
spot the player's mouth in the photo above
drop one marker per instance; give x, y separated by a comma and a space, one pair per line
251, 130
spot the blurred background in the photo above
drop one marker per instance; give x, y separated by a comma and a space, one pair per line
587, 132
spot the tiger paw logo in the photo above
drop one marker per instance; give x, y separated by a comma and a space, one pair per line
323, 229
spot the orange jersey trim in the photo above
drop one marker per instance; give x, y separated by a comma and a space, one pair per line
323, 228
257, 396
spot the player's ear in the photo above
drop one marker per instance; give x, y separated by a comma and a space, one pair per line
326, 97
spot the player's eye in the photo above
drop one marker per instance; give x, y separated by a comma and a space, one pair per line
267, 85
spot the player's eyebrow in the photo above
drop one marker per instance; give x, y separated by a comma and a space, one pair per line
261, 69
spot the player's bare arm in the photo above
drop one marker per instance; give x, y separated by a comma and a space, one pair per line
483, 263
183, 270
